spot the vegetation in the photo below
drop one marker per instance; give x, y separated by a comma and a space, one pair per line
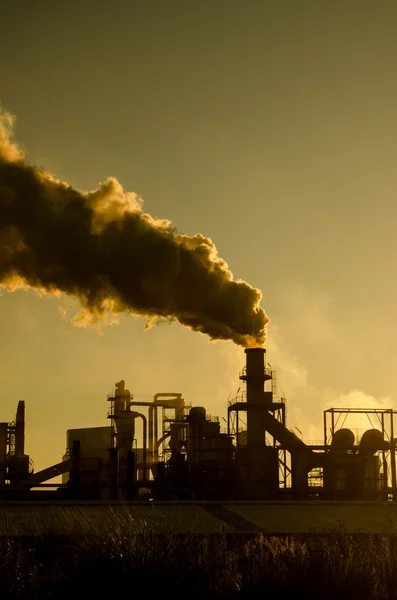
122, 562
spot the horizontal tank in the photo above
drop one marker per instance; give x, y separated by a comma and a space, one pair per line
343, 440
371, 441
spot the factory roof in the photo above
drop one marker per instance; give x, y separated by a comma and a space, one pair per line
272, 518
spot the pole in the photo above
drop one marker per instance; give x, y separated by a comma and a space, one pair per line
393, 455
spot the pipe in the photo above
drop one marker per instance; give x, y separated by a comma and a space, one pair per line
169, 400
138, 414
144, 433
151, 410
20, 429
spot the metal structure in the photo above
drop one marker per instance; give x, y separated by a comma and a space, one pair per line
181, 453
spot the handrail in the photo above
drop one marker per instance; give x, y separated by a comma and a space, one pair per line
266, 371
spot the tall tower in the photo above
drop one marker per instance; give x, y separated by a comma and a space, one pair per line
255, 375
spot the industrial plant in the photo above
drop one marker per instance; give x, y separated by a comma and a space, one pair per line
168, 450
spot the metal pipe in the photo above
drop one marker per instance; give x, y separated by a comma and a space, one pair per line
20, 429
156, 434
151, 411
166, 400
384, 462
169, 399
393, 454
144, 435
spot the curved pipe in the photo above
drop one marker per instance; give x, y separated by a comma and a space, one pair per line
144, 421
166, 400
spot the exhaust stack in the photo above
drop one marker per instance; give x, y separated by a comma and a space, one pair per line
255, 374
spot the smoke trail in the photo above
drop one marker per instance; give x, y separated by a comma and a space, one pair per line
103, 249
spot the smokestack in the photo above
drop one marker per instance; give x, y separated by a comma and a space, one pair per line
254, 374
101, 248
20, 429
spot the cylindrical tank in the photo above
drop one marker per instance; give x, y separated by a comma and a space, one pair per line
197, 413
342, 440
371, 441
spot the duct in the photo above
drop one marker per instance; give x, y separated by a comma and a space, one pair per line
166, 400
49, 473
284, 436
144, 443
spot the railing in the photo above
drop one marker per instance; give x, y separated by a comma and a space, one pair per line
241, 397
266, 371
313, 442
212, 419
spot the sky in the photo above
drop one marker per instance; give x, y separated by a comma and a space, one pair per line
269, 127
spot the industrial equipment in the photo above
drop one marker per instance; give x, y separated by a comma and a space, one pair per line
180, 452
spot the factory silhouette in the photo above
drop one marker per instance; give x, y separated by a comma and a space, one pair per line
184, 454
101, 248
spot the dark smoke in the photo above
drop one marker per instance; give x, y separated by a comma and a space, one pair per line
103, 249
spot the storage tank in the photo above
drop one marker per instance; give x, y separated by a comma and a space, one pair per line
371, 441
343, 440
196, 414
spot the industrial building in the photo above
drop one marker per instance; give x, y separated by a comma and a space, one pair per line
167, 451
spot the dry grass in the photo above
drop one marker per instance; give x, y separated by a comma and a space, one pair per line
129, 563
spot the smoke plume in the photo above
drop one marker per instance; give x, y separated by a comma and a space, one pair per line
101, 248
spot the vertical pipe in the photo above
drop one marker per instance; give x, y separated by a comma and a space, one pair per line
325, 428
384, 462
20, 429
151, 407
333, 421
393, 455
144, 435
156, 433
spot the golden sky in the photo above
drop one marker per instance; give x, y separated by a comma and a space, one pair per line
269, 127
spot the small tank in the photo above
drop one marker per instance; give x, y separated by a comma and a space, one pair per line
371, 441
197, 413
343, 440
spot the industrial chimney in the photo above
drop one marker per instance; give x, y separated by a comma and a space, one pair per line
255, 375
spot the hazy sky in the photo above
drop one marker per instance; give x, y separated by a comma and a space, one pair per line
269, 127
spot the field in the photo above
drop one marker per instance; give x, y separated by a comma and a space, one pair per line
196, 566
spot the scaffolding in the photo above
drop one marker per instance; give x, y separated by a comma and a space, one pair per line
384, 419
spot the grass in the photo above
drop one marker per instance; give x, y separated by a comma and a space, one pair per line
338, 566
